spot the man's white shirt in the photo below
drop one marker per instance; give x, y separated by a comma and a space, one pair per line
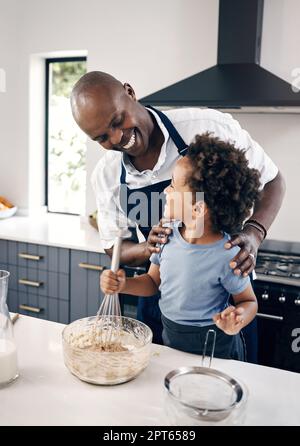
188, 122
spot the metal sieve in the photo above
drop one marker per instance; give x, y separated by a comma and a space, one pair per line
202, 395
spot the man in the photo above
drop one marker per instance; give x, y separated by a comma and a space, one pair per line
142, 146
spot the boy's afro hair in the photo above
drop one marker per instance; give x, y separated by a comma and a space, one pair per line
230, 186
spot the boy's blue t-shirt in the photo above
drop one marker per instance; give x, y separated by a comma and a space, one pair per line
196, 280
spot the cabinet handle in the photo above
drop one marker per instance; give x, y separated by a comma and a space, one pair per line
28, 308
23, 255
30, 283
89, 266
270, 316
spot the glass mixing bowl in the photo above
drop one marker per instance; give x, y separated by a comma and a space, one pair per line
106, 367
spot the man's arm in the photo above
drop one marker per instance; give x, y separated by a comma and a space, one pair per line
249, 240
136, 254
132, 254
270, 201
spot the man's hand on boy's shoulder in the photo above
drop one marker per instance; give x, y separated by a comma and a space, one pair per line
249, 241
158, 235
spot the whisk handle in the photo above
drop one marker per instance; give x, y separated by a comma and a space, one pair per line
115, 262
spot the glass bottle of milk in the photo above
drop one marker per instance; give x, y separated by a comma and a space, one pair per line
8, 350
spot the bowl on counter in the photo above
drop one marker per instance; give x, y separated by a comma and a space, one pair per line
86, 360
9, 212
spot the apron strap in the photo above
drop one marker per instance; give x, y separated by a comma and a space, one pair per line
178, 141
175, 136
123, 173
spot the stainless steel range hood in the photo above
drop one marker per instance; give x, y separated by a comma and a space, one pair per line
237, 83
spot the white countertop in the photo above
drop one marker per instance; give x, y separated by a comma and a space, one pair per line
47, 394
65, 231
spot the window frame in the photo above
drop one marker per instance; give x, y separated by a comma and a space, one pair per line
48, 62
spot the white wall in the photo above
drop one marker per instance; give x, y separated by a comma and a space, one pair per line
150, 44
280, 52
13, 160
279, 135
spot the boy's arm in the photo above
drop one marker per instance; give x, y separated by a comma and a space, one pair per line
234, 318
246, 300
144, 285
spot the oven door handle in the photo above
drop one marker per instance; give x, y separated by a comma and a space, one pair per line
269, 316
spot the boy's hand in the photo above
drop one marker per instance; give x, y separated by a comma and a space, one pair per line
230, 320
112, 282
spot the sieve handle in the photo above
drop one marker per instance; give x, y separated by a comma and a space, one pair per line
115, 262
213, 332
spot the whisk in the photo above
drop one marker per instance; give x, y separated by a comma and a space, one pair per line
108, 318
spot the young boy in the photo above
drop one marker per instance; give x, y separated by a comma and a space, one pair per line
192, 270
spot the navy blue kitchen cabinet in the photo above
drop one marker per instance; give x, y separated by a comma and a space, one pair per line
3, 254
128, 302
39, 279
57, 284
86, 294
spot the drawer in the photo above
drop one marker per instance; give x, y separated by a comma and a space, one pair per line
3, 266
85, 292
90, 261
42, 257
43, 307
3, 252
13, 301
41, 283
128, 302
12, 281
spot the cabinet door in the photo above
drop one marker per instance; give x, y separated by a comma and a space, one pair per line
86, 294
12, 301
3, 254
39, 279
43, 307
40, 257
129, 303
12, 296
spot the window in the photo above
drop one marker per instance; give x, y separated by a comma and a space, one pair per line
65, 142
